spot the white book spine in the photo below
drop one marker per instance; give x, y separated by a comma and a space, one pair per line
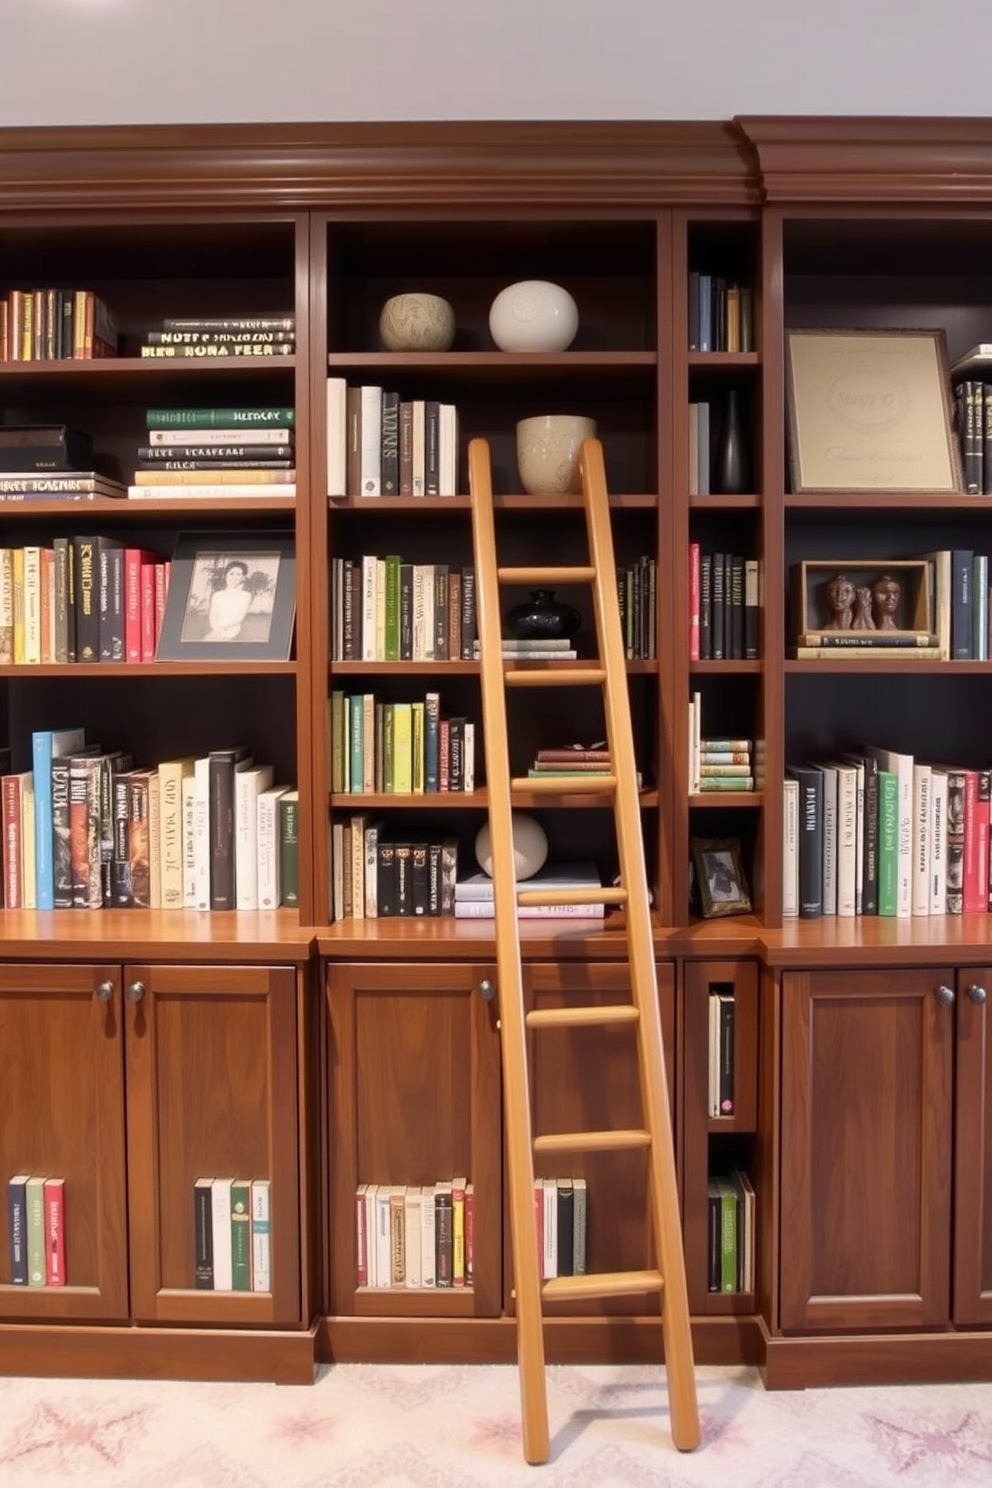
412, 1237
337, 436
428, 1272
189, 841
201, 832
550, 1267
922, 837
938, 858
469, 759
261, 1237
418, 476
32, 606
371, 1249
383, 1249
220, 1210
790, 849
847, 816
269, 887
371, 449
248, 785
369, 587
829, 840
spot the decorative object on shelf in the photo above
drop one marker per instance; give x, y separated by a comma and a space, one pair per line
862, 609
533, 315
870, 411
840, 597
530, 846
871, 607
542, 616
232, 597
731, 473
417, 322
719, 876
886, 594
548, 452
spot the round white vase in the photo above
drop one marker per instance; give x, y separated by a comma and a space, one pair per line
417, 322
530, 846
533, 315
548, 452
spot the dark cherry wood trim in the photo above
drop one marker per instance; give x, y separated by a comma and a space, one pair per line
895, 1358
240, 1354
614, 164
857, 159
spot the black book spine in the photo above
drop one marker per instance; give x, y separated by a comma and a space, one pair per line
220, 797
110, 570
390, 469
705, 606
737, 609
404, 879
386, 879
717, 609
810, 841
87, 599
419, 872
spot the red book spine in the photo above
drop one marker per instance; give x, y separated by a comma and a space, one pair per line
444, 755
163, 573
469, 1234
55, 1231
972, 904
132, 604
147, 603
694, 601
361, 1240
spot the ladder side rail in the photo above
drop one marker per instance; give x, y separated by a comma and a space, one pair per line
513, 1033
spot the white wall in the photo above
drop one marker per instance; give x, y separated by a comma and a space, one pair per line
188, 61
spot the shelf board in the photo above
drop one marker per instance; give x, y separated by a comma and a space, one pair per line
726, 666
440, 505
724, 503
466, 668
491, 366
477, 800
753, 799
859, 664
718, 361
881, 501
125, 669
106, 371
142, 507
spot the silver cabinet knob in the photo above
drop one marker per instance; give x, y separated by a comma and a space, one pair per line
104, 992
487, 990
977, 994
945, 996
136, 991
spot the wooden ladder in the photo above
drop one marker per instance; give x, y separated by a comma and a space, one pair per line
608, 672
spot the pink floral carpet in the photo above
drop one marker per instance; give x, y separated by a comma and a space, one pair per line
365, 1426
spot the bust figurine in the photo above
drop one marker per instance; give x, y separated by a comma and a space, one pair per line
840, 602
886, 592
862, 609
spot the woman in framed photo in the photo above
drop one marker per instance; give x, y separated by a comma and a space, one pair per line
229, 604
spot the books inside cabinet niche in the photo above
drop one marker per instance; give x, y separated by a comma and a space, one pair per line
398, 423
185, 403
36, 1231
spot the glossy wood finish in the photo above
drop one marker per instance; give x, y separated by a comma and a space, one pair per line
972, 1286
62, 1115
212, 1092
413, 1090
867, 1076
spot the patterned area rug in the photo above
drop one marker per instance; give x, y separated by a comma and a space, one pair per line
365, 1426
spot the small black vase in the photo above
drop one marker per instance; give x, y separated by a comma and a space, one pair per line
542, 616
732, 476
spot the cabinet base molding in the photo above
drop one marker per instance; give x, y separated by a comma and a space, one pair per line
628, 1340
895, 1359
238, 1355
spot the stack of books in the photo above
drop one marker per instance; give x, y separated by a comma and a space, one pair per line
534, 648
724, 763
210, 452
474, 895
576, 760
50, 462
232, 1234
238, 336
415, 1236
381, 445
36, 1230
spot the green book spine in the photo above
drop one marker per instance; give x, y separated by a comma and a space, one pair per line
728, 1236
289, 848
888, 842
393, 563
35, 1226
241, 1235
220, 418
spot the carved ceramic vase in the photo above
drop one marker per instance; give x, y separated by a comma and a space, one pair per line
548, 452
542, 617
417, 322
530, 846
731, 474
533, 315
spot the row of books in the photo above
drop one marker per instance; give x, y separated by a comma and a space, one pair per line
561, 1207
721, 314
399, 748
386, 609
725, 599
232, 1235
237, 336
474, 895
50, 325
377, 877
971, 611
415, 1236
879, 832
720, 1048
36, 1230
84, 829
86, 598
724, 763
973, 422
731, 1232
637, 593
245, 468
380, 445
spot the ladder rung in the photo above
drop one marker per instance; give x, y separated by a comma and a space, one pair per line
584, 575
564, 675
559, 785
601, 1284
582, 1017
592, 1141
572, 896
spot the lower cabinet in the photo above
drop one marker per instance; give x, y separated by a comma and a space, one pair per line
130, 1082
886, 1150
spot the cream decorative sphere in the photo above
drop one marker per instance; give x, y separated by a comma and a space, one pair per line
530, 847
417, 322
533, 315
548, 452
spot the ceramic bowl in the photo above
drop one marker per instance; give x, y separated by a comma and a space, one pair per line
533, 315
548, 452
417, 322
530, 846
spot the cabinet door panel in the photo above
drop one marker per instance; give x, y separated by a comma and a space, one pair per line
973, 1152
62, 1115
585, 1079
866, 1149
212, 1092
414, 1099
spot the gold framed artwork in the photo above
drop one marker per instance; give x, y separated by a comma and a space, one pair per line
870, 411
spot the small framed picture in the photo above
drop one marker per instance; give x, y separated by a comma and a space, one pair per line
231, 596
720, 880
